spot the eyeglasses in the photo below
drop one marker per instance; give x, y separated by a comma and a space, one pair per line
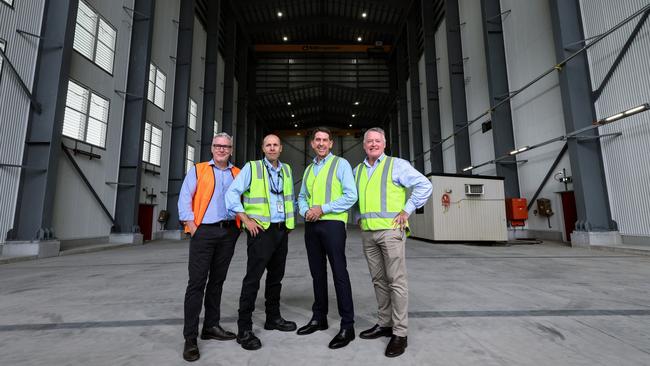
221, 147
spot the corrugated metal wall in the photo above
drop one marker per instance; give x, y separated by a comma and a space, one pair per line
14, 104
626, 161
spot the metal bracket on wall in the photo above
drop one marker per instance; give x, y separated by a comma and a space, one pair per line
2, 165
133, 96
135, 12
25, 33
34, 103
595, 138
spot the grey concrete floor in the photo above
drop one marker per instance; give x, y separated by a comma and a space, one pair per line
469, 305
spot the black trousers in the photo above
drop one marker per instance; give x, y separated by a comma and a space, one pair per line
326, 239
266, 251
211, 249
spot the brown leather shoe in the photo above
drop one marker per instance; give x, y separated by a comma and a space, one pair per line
376, 332
396, 346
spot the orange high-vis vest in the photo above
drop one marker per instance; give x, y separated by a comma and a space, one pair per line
204, 191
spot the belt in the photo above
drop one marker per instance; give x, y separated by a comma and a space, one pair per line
278, 225
223, 224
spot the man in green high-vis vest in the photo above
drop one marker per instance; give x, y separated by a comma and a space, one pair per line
384, 209
266, 189
327, 193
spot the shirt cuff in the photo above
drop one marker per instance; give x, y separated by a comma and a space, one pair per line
187, 217
303, 212
409, 207
326, 208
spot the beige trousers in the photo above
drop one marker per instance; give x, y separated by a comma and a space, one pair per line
385, 253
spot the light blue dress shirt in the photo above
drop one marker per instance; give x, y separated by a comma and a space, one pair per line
405, 175
243, 182
216, 210
345, 176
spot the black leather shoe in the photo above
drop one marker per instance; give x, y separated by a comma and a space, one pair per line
396, 346
280, 324
376, 332
217, 333
191, 350
342, 339
312, 326
248, 340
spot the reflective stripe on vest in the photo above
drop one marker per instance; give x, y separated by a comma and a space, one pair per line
322, 189
257, 199
380, 200
205, 184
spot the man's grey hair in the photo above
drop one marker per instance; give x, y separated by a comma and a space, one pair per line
375, 129
223, 134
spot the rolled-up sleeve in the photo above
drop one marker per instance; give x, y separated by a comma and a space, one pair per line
240, 185
186, 195
407, 176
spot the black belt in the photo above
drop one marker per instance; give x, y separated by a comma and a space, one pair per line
223, 224
278, 225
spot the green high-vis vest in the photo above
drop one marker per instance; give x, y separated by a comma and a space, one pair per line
380, 200
257, 200
325, 188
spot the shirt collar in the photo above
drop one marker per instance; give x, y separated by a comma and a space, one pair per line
214, 165
316, 162
379, 159
268, 164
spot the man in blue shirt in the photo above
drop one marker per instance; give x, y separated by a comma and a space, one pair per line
327, 192
202, 208
383, 216
268, 218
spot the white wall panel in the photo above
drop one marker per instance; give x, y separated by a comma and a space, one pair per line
537, 112
626, 162
444, 93
14, 104
424, 107
476, 84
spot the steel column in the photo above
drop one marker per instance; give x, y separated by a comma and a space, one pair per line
404, 148
589, 183
210, 78
251, 112
457, 86
181, 105
35, 202
412, 33
135, 114
431, 79
497, 73
241, 136
230, 34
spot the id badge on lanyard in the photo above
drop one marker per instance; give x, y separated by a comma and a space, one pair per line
280, 205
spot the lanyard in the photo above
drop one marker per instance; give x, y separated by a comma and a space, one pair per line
272, 185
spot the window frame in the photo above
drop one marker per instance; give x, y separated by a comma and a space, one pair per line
156, 86
96, 39
150, 143
9, 5
86, 114
189, 163
189, 114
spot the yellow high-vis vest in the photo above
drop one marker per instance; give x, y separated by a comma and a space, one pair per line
257, 200
380, 200
325, 187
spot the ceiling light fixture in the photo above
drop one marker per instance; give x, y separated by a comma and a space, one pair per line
468, 168
627, 113
295, 125
285, 38
354, 115
350, 125
280, 14
356, 103
519, 150
364, 15
359, 39
288, 103
292, 115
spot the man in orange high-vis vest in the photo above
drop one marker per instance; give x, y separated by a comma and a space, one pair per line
214, 231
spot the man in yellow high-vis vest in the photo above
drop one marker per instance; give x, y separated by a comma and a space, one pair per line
266, 189
327, 193
384, 209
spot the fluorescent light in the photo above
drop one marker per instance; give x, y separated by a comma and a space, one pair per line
519, 150
354, 115
288, 103
614, 117
296, 125
468, 168
359, 39
292, 115
350, 125
280, 14
638, 109
285, 38
364, 15
356, 103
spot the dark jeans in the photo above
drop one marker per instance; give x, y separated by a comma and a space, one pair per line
211, 249
266, 251
326, 239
